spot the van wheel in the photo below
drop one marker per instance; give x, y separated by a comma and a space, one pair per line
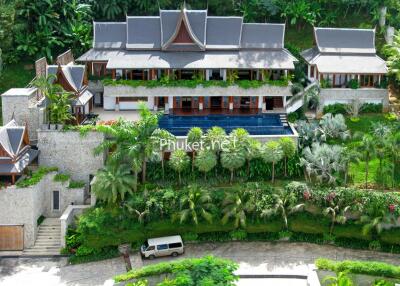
151, 257
174, 254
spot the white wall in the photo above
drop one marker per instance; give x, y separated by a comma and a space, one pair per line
109, 103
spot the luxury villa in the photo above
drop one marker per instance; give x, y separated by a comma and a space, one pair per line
183, 44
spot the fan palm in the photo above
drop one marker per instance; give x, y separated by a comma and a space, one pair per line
288, 148
113, 183
285, 203
195, 136
179, 162
194, 204
348, 156
205, 161
237, 206
272, 153
214, 138
232, 158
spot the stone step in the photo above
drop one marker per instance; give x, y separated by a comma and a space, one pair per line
48, 238
53, 231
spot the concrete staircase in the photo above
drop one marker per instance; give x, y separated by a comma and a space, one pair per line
48, 241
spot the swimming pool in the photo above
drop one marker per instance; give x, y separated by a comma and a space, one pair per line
258, 124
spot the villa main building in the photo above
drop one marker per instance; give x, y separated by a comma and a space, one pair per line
186, 44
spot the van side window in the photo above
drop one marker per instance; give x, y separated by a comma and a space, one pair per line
162, 246
175, 245
150, 248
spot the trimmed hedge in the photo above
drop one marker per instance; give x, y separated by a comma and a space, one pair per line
360, 267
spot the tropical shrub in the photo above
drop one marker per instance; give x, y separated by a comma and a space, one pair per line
337, 108
35, 177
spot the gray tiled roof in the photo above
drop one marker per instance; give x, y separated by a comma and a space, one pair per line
20, 165
263, 36
143, 33
73, 73
11, 136
197, 20
339, 40
310, 54
168, 18
224, 32
111, 35
248, 59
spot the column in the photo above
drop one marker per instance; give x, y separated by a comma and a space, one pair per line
284, 101
208, 74
230, 103
117, 103
201, 102
260, 102
309, 71
223, 74
170, 104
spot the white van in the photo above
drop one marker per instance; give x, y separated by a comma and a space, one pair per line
162, 246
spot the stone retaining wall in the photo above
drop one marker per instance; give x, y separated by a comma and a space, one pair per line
346, 95
25, 205
71, 152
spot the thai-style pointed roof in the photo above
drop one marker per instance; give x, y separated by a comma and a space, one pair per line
12, 137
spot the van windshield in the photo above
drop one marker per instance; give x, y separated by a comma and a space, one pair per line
146, 244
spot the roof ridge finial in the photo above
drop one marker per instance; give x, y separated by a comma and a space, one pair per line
13, 115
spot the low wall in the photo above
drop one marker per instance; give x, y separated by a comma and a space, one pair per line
141, 91
68, 218
346, 95
71, 152
25, 205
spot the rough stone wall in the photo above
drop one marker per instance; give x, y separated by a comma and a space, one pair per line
25, 205
25, 111
71, 152
346, 95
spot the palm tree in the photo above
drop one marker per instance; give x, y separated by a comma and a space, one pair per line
374, 221
393, 60
214, 138
237, 205
60, 107
252, 151
272, 153
179, 162
393, 147
285, 203
348, 156
194, 204
113, 183
232, 158
144, 140
367, 149
337, 213
195, 136
205, 161
288, 148
164, 137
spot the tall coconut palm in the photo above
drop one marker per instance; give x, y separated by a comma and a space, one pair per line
205, 161
288, 148
113, 183
237, 206
232, 158
272, 153
145, 142
194, 204
179, 161
337, 213
367, 150
285, 203
164, 138
195, 136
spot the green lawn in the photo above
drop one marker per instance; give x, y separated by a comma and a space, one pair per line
365, 123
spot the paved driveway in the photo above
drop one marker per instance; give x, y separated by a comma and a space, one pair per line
253, 258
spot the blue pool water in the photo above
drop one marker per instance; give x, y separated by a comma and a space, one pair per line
258, 124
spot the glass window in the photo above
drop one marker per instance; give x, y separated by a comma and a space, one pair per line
132, 99
162, 246
56, 200
150, 248
175, 245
